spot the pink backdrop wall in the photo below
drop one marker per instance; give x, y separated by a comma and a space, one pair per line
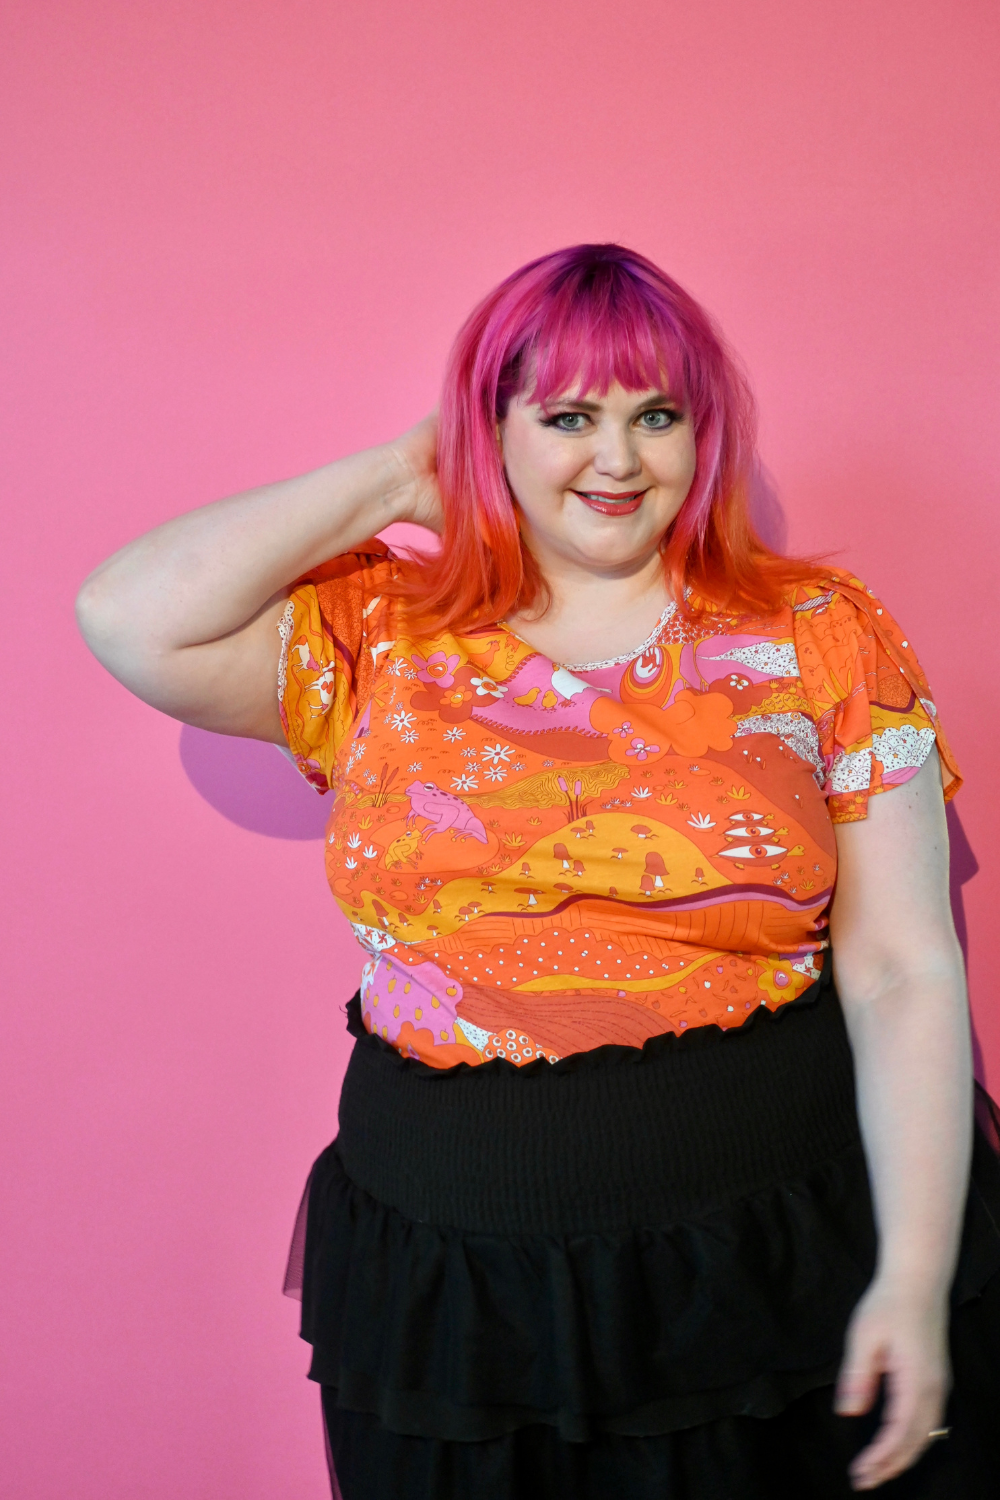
237, 241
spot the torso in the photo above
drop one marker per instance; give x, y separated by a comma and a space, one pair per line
542, 860
535, 867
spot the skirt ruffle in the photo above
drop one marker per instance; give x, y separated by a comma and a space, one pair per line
736, 1309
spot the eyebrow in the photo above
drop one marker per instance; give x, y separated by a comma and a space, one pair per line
661, 398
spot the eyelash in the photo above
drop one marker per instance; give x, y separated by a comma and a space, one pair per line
665, 410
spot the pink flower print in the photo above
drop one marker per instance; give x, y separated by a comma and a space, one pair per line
486, 686
624, 730
640, 749
436, 668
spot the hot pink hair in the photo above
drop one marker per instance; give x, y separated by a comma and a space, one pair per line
580, 320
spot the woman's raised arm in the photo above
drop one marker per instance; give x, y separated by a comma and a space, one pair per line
185, 616
901, 981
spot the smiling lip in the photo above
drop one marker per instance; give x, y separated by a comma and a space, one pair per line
608, 504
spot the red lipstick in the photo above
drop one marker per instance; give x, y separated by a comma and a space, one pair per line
607, 503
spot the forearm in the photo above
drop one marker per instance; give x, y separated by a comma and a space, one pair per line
205, 574
910, 1037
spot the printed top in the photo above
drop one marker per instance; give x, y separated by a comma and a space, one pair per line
540, 858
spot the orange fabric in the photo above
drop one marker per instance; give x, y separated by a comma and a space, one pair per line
539, 859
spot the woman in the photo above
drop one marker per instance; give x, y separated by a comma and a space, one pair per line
653, 1168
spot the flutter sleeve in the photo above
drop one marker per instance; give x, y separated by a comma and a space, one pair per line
873, 709
335, 626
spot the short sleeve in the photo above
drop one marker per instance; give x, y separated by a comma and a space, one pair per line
874, 713
335, 626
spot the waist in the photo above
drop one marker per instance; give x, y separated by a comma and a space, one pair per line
607, 1140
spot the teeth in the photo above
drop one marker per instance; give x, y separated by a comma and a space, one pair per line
604, 499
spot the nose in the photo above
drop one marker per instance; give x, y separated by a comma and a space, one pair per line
617, 455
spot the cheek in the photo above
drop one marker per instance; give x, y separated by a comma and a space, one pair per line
675, 467
537, 469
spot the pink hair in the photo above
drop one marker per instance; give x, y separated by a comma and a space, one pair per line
580, 320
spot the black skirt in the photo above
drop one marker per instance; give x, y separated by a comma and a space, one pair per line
633, 1263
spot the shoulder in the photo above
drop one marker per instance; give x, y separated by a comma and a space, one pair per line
371, 564
354, 593
832, 593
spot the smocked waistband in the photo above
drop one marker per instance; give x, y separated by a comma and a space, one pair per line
614, 1139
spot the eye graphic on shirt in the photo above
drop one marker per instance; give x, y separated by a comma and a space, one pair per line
749, 826
751, 851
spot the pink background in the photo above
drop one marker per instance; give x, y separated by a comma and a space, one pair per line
238, 239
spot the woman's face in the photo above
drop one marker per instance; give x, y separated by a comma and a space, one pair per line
598, 479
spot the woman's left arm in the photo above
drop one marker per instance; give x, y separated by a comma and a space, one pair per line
901, 980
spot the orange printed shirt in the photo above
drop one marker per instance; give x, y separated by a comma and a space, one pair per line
541, 858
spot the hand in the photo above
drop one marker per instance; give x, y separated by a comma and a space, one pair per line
902, 1336
416, 454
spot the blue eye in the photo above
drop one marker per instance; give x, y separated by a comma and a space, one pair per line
567, 421
659, 419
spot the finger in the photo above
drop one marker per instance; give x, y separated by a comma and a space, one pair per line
910, 1415
859, 1378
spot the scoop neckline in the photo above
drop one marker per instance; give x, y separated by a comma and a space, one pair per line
611, 661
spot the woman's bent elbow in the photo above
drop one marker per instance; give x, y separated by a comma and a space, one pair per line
95, 613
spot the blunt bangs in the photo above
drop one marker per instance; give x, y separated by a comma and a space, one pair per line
600, 327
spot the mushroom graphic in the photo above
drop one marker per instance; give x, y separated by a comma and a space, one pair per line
656, 868
578, 867
646, 884
578, 831
475, 906
531, 891
612, 890
619, 852
525, 868
699, 875
435, 905
641, 831
465, 912
562, 887
432, 929
559, 851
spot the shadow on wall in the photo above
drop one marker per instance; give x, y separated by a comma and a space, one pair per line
252, 784
766, 511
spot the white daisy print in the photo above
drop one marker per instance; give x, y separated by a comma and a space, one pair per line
465, 783
451, 735
497, 754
